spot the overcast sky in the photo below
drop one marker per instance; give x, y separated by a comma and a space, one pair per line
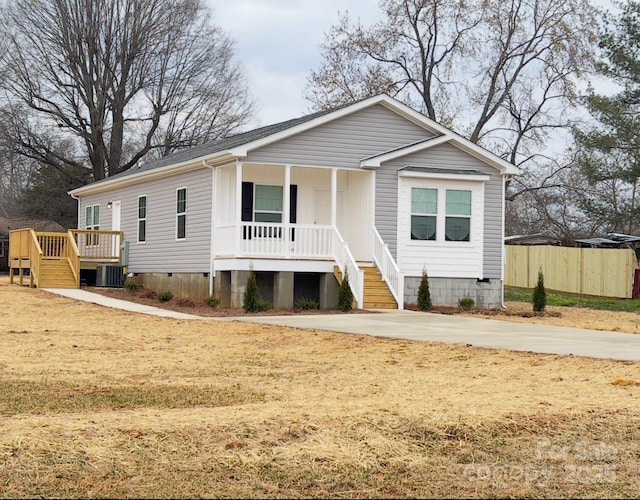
277, 42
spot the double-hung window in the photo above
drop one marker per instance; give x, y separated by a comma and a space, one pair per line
142, 219
268, 204
439, 214
424, 213
457, 226
92, 223
181, 213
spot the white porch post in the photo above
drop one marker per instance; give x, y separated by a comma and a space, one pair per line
334, 195
214, 188
286, 210
238, 238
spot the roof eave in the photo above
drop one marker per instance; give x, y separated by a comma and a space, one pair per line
185, 166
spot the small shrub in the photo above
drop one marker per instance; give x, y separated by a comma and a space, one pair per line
131, 285
165, 296
306, 304
185, 302
212, 301
424, 295
466, 303
345, 295
251, 299
149, 294
539, 297
263, 305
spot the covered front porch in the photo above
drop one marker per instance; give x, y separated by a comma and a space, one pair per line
296, 218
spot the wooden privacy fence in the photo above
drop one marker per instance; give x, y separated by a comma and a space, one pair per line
588, 271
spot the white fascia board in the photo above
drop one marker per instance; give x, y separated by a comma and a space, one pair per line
492, 159
156, 173
375, 161
445, 175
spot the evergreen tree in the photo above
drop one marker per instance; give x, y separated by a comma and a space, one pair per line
539, 298
345, 295
424, 295
609, 153
252, 300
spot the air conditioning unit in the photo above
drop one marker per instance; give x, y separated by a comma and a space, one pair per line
110, 276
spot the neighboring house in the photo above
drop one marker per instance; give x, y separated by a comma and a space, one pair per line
370, 185
8, 224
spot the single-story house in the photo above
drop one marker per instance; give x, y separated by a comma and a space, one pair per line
374, 189
10, 224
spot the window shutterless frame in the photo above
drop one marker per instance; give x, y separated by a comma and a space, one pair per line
92, 223
142, 218
181, 213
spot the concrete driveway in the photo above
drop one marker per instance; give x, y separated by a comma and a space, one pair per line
492, 334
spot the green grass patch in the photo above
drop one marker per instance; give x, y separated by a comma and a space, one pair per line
43, 397
564, 299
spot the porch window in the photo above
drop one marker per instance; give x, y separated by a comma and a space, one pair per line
268, 204
142, 219
458, 215
181, 213
424, 213
92, 223
1, 248
262, 203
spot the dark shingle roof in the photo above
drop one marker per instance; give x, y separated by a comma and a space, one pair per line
220, 144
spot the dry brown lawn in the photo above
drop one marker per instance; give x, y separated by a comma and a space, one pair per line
102, 403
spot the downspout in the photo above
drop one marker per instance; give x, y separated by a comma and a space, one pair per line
77, 198
212, 252
505, 179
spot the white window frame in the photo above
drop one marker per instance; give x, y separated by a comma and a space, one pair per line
255, 204
92, 240
441, 215
181, 214
424, 214
142, 219
448, 216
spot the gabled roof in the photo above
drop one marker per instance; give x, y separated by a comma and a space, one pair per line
238, 146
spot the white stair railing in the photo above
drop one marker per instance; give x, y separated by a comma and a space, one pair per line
388, 268
347, 264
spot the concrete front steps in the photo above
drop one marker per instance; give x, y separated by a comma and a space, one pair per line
376, 291
56, 274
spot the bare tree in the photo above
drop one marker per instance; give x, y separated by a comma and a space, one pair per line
502, 73
122, 78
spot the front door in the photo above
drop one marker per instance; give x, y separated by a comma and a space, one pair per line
322, 214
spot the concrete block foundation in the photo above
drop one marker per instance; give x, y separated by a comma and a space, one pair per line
447, 291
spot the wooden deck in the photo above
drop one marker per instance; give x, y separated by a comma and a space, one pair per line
54, 260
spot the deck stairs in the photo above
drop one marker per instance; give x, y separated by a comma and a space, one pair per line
376, 291
56, 273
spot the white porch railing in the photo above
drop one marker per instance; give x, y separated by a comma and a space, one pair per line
295, 241
388, 268
348, 265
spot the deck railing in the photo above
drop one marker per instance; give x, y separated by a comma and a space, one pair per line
25, 253
388, 268
103, 246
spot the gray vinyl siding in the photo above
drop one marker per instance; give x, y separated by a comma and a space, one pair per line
344, 142
162, 252
448, 157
